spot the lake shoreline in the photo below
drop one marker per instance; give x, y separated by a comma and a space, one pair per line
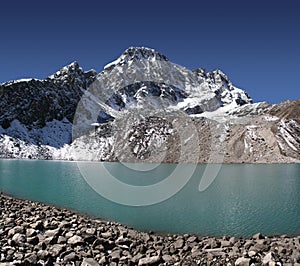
291, 162
33, 232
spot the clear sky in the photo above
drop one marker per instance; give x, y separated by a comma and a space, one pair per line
256, 43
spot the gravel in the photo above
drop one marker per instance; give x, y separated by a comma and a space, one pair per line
32, 233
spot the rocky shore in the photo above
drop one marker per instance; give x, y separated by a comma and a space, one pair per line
32, 233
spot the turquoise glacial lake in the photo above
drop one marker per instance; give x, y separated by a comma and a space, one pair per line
242, 200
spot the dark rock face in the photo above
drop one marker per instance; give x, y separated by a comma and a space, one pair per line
66, 238
148, 94
36, 102
195, 110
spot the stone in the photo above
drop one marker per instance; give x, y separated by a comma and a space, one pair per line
268, 258
132, 234
179, 243
30, 232
54, 232
225, 243
235, 250
167, 258
213, 243
136, 258
258, 247
106, 235
258, 236
145, 237
51, 240
102, 261
69, 234
57, 249
149, 260
75, 240
197, 254
282, 250
19, 238
212, 250
33, 240
251, 253
38, 225
71, 257
232, 240
31, 259
90, 262
42, 254
61, 240
41, 245
18, 256
192, 239
15, 230
115, 255
123, 241
90, 231
242, 262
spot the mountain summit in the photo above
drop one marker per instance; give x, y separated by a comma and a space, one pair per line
142, 73
137, 54
141, 107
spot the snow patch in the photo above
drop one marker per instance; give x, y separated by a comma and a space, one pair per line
270, 118
19, 81
285, 133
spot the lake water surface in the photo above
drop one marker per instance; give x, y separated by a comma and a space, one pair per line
242, 200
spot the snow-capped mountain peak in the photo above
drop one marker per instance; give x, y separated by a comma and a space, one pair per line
137, 54
72, 69
73, 74
192, 91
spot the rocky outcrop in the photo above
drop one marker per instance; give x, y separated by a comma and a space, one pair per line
34, 103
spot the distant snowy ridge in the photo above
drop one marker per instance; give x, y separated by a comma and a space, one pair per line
18, 81
83, 115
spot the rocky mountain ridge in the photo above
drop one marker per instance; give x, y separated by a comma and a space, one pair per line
143, 107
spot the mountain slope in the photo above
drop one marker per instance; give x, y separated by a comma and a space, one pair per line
143, 107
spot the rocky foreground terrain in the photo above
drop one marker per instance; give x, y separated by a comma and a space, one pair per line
143, 107
32, 233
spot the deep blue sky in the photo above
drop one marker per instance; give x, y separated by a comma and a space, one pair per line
256, 43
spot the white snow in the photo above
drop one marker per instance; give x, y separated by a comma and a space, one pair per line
251, 132
289, 139
219, 115
271, 118
19, 81
22, 143
112, 63
246, 144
